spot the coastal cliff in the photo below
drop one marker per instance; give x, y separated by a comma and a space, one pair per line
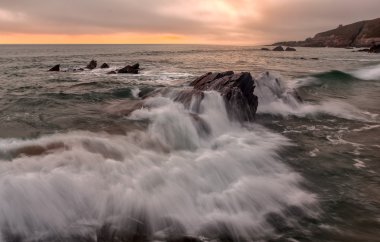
359, 34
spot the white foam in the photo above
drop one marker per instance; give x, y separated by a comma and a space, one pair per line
314, 152
135, 92
359, 164
368, 73
276, 98
232, 175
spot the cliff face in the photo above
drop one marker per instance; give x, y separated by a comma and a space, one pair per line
359, 34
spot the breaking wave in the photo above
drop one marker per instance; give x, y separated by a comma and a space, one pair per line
193, 174
277, 98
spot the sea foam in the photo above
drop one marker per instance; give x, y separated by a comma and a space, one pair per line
175, 178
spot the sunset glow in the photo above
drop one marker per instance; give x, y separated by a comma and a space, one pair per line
240, 22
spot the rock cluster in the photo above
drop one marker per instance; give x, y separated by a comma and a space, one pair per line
132, 69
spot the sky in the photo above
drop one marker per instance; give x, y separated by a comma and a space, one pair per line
226, 22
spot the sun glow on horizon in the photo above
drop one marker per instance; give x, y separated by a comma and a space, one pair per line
97, 39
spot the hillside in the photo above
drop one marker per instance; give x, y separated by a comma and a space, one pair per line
359, 34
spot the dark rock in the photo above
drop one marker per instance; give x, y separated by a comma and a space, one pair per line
375, 49
104, 66
278, 48
112, 72
237, 90
363, 50
290, 49
314, 58
136, 66
55, 68
265, 49
92, 65
130, 69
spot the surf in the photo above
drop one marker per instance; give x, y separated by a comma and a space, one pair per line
189, 173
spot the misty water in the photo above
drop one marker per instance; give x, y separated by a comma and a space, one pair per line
79, 161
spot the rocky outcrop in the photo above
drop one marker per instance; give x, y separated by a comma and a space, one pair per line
236, 89
92, 65
55, 68
359, 34
104, 66
134, 69
290, 49
278, 48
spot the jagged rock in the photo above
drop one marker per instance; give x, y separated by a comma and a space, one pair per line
136, 66
237, 90
290, 49
55, 68
375, 49
278, 48
111, 72
265, 49
134, 69
92, 65
104, 66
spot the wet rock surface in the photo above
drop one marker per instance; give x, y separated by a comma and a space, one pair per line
236, 88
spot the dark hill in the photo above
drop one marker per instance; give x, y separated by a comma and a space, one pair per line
359, 34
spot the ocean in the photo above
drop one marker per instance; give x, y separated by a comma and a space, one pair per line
79, 161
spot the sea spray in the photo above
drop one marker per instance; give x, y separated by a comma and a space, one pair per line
277, 98
168, 181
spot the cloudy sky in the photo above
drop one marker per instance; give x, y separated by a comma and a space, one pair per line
240, 22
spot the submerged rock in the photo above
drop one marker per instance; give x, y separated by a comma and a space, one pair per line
236, 89
278, 48
265, 49
55, 68
375, 49
92, 65
290, 49
104, 66
78, 69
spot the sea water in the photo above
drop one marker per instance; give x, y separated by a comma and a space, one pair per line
80, 161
